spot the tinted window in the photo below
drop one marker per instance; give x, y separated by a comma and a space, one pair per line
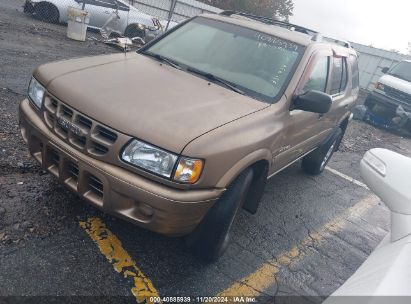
257, 63
355, 72
339, 76
318, 77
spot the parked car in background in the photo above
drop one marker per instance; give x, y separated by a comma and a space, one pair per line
387, 271
181, 135
393, 89
164, 24
130, 21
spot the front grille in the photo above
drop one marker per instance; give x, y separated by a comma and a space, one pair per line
78, 130
106, 134
397, 94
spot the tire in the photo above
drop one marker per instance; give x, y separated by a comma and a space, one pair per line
133, 31
315, 162
211, 238
46, 12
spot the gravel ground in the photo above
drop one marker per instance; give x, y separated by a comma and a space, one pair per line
40, 238
26, 43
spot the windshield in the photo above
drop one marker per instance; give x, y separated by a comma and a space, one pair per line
258, 64
402, 70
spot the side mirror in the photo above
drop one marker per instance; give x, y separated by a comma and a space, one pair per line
313, 101
385, 70
387, 174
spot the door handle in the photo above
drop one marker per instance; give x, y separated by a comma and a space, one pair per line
106, 12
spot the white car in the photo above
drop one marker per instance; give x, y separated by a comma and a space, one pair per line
131, 22
387, 271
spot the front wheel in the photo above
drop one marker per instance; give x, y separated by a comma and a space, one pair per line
315, 162
211, 238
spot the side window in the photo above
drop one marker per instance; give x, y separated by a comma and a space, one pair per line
339, 76
103, 3
122, 7
318, 77
355, 72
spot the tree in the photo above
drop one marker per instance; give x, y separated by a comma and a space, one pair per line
266, 8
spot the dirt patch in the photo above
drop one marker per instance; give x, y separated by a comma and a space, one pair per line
361, 137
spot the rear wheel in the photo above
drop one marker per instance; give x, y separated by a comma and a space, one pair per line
46, 12
315, 162
211, 238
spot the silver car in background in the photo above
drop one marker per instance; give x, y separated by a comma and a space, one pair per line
129, 22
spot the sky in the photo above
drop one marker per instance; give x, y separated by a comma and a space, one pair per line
383, 24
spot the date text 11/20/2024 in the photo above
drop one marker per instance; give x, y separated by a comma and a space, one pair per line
239, 299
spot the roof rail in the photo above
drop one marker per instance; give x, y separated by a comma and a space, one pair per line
270, 21
319, 37
316, 36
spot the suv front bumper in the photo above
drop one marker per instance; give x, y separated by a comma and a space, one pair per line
112, 189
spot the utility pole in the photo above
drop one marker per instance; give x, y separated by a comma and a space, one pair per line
171, 11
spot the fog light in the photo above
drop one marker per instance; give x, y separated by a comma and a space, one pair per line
146, 210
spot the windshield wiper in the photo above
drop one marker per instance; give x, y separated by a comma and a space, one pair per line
163, 59
211, 77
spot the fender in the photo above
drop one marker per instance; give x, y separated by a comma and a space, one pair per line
240, 166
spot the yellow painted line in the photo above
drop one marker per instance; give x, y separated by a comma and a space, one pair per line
265, 276
346, 177
110, 246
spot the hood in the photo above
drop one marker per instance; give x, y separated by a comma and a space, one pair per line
140, 97
396, 83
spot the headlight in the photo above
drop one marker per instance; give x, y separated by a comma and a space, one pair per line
375, 163
161, 162
379, 86
36, 92
150, 158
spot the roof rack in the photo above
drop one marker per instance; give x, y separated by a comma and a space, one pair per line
315, 36
270, 21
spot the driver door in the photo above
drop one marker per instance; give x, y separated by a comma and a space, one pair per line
100, 11
306, 130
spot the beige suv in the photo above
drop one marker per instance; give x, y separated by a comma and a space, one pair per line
177, 137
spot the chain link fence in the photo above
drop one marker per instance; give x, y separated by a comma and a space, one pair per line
125, 17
